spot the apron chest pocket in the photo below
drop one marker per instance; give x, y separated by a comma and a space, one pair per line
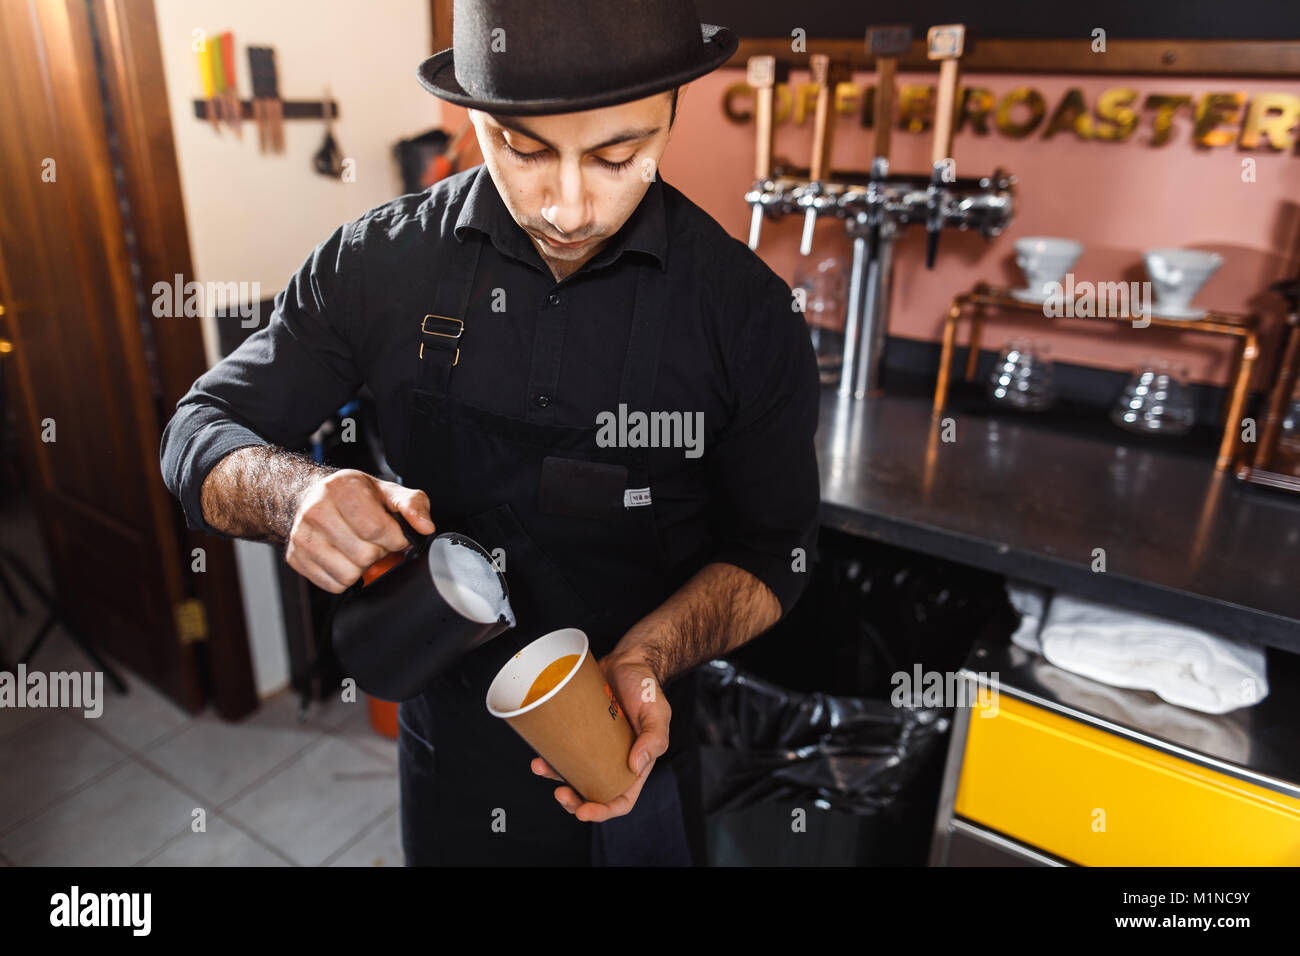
577, 488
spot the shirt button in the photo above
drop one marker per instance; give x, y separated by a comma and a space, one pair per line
541, 401
553, 299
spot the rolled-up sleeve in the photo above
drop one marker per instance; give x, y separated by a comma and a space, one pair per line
280, 384
764, 463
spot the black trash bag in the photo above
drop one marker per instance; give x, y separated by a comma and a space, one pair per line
871, 611
853, 754
801, 719
863, 772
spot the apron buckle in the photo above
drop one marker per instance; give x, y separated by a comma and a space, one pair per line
459, 326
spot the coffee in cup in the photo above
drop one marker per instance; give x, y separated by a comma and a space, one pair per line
554, 695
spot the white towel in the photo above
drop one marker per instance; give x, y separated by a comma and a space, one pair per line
1029, 601
1183, 665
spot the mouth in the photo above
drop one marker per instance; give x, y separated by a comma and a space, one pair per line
564, 245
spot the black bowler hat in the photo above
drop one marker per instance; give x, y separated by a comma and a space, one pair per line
530, 57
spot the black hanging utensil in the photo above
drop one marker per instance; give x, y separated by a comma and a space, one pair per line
328, 159
261, 71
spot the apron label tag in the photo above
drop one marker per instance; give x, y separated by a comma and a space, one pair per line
636, 497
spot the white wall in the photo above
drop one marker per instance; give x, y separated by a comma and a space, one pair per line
254, 217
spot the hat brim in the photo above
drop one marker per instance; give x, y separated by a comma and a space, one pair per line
437, 75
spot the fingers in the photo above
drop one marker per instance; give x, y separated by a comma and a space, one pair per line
544, 769
314, 573
411, 503
323, 541
652, 736
364, 506
589, 812
344, 525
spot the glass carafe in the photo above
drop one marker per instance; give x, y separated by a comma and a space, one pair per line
822, 286
1155, 400
1023, 377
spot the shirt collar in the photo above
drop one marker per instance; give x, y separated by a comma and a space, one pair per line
646, 230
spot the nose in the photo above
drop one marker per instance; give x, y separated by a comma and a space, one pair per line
566, 207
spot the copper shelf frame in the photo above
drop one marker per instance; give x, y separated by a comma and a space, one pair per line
1263, 468
1243, 327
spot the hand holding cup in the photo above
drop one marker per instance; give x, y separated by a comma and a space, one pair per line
594, 728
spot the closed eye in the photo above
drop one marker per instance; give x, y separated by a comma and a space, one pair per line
532, 157
538, 155
616, 167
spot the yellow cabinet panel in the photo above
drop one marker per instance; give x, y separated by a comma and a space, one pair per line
1094, 798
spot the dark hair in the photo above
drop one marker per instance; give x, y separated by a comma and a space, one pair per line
672, 115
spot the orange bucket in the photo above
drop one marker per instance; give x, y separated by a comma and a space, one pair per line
383, 716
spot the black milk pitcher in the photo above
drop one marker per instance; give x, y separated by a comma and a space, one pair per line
443, 597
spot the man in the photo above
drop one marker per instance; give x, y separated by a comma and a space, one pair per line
511, 323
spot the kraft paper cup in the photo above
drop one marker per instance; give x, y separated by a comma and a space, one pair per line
578, 726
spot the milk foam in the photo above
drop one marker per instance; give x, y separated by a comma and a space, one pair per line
468, 582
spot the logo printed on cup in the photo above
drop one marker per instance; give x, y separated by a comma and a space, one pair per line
614, 710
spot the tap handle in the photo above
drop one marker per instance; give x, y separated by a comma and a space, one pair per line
763, 73
885, 45
945, 44
827, 75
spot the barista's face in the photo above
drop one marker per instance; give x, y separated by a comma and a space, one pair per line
572, 179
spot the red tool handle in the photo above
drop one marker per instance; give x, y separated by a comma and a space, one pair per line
228, 59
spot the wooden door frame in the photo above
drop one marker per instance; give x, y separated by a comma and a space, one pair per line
439, 25
128, 34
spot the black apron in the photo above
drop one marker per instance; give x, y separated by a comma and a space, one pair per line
580, 550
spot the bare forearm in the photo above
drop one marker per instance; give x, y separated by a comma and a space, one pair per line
254, 492
720, 608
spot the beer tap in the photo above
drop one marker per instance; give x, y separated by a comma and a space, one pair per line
878, 203
945, 45
763, 73
935, 196
814, 197
886, 45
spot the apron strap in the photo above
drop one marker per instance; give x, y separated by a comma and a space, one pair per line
441, 328
649, 316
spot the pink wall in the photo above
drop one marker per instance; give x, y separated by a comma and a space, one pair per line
1116, 198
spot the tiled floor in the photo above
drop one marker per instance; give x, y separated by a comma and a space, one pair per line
148, 784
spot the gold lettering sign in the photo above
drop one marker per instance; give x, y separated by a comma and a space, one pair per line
1165, 106
805, 102
1118, 118
1213, 110
915, 108
1273, 116
1070, 114
1217, 118
1021, 95
976, 104
845, 95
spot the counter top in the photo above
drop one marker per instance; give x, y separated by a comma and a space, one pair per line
1178, 539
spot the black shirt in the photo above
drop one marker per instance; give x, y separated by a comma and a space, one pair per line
734, 349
